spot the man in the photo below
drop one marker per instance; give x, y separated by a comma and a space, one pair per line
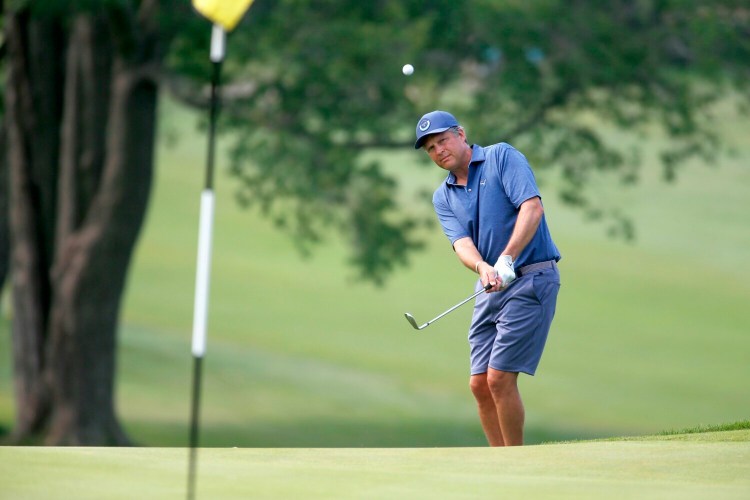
491, 211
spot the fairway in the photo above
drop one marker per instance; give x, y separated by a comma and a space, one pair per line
649, 335
700, 466
639, 325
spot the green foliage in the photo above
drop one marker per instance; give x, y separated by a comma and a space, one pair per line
312, 86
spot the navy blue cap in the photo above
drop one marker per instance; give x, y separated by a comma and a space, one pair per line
433, 123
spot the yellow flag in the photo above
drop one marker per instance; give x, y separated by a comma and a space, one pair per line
226, 13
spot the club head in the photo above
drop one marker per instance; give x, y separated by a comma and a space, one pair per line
412, 321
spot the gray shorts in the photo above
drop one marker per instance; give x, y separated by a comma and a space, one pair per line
509, 328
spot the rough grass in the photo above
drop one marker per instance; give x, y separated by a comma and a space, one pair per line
735, 426
735, 431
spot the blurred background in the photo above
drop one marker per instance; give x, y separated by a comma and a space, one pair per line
633, 115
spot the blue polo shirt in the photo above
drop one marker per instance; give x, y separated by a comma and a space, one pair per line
486, 209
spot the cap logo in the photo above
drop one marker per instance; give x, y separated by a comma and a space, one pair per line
424, 125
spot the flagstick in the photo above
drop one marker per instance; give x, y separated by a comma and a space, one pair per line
203, 271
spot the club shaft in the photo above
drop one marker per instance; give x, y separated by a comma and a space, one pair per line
455, 307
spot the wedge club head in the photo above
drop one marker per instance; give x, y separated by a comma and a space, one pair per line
413, 322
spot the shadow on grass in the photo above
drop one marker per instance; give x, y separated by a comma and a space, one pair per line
338, 434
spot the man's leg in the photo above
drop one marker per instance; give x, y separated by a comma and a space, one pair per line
488, 414
508, 405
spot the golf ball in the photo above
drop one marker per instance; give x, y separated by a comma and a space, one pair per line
408, 69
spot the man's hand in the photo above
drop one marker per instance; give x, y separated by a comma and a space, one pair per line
504, 269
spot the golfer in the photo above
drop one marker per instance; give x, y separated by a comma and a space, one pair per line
491, 211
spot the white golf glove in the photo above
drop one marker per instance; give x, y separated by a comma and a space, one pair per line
505, 272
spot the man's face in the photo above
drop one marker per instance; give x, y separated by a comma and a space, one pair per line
448, 149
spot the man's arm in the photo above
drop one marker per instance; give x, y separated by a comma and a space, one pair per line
467, 253
529, 215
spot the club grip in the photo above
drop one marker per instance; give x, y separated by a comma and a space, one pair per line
487, 286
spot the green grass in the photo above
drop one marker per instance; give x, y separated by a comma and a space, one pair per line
648, 336
709, 465
701, 429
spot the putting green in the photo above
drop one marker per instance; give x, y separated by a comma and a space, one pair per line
709, 465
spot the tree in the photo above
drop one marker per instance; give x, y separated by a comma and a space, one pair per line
80, 102
314, 85
4, 230
322, 86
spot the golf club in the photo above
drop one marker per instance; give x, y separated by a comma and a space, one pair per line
413, 322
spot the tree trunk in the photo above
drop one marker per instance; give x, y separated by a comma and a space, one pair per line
4, 230
33, 107
79, 196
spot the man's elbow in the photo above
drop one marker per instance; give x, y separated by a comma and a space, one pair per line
462, 243
533, 207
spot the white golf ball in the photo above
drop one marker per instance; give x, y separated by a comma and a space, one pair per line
408, 69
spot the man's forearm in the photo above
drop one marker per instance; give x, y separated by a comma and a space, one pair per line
529, 216
467, 253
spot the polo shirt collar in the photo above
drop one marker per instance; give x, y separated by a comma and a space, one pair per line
477, 156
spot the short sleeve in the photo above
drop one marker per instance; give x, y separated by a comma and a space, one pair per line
452, 228
518, 179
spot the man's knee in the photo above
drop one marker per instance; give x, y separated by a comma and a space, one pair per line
500, 382
479, 387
